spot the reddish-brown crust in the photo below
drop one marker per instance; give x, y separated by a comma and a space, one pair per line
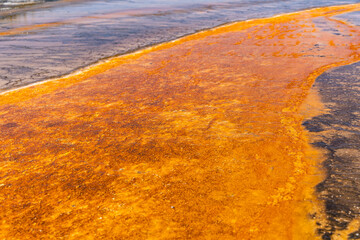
199, 138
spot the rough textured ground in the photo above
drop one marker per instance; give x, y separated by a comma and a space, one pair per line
199, 138
338, 131
57, 38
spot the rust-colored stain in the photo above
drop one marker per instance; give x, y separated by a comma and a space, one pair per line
199, 138
26, 29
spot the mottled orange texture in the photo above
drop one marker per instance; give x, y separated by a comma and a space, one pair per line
200, 138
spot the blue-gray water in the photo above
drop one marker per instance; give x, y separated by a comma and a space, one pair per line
87, 31
11, 4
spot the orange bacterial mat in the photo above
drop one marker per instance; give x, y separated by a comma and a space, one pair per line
199, 138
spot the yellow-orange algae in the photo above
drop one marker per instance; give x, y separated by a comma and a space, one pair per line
198, 138
20, 30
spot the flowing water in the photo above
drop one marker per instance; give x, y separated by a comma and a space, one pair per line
50, 39
6, 5
200, 137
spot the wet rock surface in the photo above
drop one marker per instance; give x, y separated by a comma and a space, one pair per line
338, 131
195, 139
73, 39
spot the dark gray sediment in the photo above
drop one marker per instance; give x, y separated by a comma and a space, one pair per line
43, 53
338, 132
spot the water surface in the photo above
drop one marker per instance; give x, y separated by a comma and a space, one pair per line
45, 41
